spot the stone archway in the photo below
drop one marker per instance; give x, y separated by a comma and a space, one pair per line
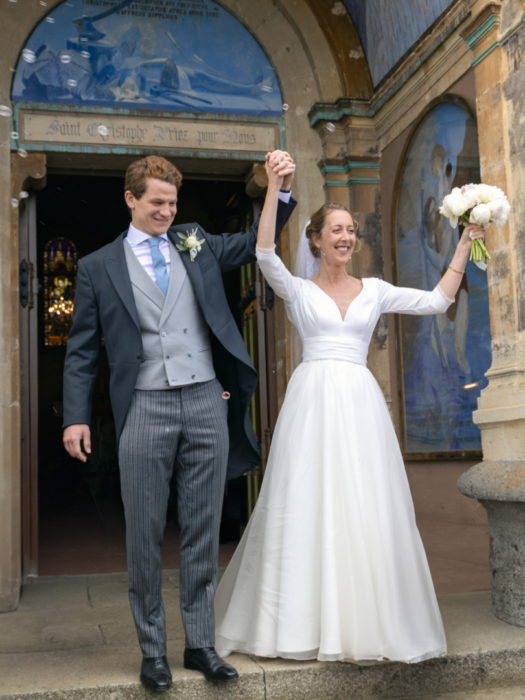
302, 40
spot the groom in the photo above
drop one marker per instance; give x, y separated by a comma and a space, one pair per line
181, 382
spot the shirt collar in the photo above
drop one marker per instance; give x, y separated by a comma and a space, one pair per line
136, 237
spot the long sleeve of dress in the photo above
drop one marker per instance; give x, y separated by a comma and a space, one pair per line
415, 302
279, 278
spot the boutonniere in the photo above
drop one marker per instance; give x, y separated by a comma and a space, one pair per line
191, 243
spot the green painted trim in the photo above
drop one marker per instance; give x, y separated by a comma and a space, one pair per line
480, 32
498, 42
150, 150
352, 181
351, 165
337, 113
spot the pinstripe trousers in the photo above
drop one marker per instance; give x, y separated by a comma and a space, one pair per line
183, 429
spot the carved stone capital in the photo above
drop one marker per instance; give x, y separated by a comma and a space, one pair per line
28, 172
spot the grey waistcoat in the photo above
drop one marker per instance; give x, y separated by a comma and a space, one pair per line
175, 336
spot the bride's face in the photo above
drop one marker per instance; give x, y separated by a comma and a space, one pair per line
338, 239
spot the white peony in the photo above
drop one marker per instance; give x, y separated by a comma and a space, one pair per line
487, 192
470, 197
497, 207
499, 211
480, 215
444, 209
453, 206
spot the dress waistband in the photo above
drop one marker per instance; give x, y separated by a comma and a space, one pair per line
330, 348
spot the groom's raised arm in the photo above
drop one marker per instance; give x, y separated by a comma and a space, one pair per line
83, 352
233, 250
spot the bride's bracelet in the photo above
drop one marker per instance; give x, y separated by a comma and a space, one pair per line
460, 272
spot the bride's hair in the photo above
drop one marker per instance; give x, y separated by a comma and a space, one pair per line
317, 223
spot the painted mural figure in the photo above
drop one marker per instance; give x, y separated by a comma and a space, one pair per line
331, 565
174, 62
440, 241
444, 358
156, 295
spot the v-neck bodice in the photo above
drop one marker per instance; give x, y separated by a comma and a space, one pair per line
324, 333
343, 318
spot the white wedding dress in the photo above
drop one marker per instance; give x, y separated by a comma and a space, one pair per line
331, 565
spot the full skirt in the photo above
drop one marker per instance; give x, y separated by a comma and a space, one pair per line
331, 565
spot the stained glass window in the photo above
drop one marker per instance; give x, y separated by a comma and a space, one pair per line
60, 276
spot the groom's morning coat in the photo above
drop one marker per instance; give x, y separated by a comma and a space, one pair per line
105, 307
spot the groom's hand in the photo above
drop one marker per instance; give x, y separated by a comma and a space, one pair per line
282, 165
73, 436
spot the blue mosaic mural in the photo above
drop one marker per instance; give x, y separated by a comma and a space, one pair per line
388, 28
445, 357
147, 54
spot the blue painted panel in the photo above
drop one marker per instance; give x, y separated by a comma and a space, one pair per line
445, 357
147, 54
388, 28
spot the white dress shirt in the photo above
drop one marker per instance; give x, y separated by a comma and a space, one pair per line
140, 246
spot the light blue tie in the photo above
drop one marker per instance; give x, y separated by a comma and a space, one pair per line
159, 265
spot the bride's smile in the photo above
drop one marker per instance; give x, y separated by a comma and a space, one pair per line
337, 240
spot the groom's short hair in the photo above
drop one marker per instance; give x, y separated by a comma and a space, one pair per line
155, 167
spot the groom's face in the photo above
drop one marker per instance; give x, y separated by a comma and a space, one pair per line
154, 212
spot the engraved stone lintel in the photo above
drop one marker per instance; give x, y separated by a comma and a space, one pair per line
74, 128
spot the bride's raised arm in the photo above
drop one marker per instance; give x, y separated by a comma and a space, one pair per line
417, 302
281, 280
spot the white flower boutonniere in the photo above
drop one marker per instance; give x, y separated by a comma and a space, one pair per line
191, 243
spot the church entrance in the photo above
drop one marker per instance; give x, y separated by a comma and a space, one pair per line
76, 516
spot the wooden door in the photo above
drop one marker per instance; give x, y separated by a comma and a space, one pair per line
259, 338
29, 384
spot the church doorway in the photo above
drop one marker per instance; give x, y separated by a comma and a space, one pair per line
77, 513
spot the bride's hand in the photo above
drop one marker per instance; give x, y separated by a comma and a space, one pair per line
470, 233
282, 167
272, 171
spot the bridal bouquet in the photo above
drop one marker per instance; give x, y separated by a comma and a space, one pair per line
476, 204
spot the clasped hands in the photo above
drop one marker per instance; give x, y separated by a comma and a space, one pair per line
280, 169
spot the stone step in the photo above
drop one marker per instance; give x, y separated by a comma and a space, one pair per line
495, 694
472, 674
73, 639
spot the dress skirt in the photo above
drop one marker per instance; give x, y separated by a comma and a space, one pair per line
331, 565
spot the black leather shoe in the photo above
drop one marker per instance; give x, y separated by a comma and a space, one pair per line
208, 662
155, 673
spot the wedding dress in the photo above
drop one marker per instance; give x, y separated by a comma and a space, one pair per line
331, 565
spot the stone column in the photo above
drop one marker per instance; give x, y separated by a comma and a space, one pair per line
496, 36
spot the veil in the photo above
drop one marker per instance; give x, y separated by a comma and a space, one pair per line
306, 267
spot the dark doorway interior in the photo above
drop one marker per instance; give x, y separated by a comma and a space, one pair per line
81, 528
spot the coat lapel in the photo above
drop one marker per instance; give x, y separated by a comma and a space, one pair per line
193, 269
140, 278
118, 272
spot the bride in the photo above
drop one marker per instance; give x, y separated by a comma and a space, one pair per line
331, 565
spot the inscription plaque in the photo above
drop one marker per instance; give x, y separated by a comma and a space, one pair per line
137, 132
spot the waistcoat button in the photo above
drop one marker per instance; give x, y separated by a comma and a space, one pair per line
193, 376
163, 334
189, 354
185, 330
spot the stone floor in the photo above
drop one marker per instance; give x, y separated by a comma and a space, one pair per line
73, 637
